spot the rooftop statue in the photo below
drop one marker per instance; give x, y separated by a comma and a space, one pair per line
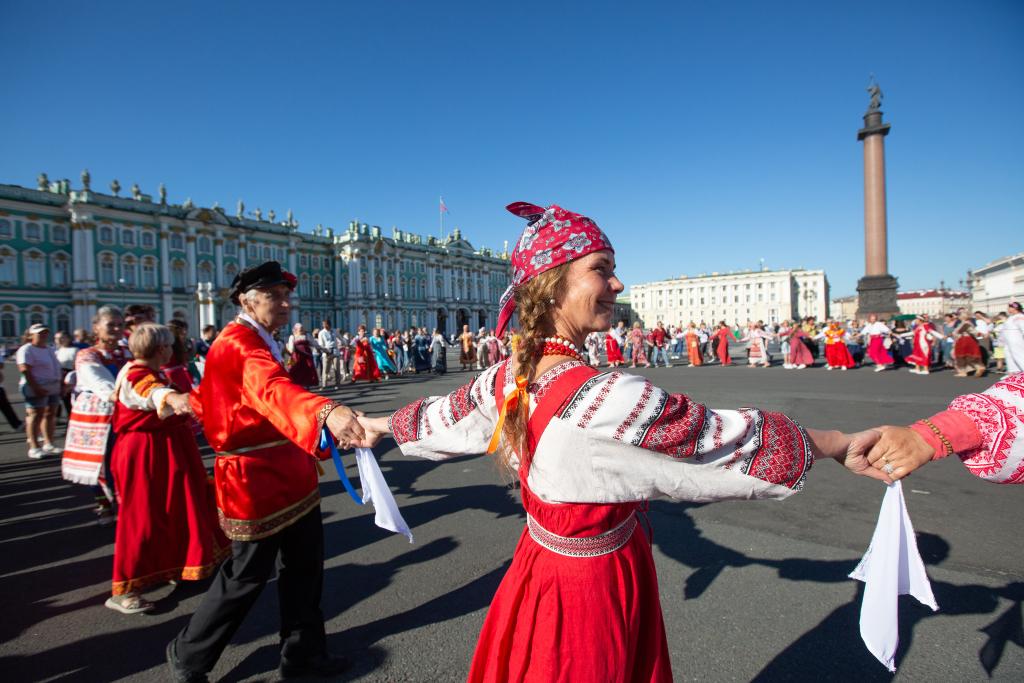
86, 179
291, 217
163, 193
241, 209
271, 215
42, 182
188, 205
115, 187
136, 192
258, 213
876, 96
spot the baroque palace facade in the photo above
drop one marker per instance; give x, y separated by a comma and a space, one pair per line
64, 253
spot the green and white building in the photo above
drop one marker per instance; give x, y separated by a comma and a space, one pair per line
65, 252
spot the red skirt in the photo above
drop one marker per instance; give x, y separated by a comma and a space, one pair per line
167, 522
966, 348
838, 356
575, 619
611, 349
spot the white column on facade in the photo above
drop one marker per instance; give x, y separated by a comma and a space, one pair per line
218, 255
243, 253
371, 279
293, 260
190, 253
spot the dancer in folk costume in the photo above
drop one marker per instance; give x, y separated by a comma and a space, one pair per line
720, 340
467, 352
379, 344
1011, 335
986, 430
580, 599
302, 346
635, 342
90, 439
799, 355
693, 345
877, 333
924, 335
758, 340
966, 350
612, 349
836, 353
167, 522
421, 351
266, 431
364, 362
593, 342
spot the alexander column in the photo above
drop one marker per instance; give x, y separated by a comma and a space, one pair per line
876, 291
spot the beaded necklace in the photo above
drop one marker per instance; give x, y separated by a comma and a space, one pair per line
558, 345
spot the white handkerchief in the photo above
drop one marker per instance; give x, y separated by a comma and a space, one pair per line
891, 567
376, 491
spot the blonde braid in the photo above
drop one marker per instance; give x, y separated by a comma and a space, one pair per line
533, 307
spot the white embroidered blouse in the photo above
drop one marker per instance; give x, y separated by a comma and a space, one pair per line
619, 438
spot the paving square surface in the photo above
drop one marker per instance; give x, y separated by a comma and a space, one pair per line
750, 590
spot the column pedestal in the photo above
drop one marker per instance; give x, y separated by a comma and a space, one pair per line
877, 294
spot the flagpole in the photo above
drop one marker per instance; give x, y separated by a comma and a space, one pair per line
440, 215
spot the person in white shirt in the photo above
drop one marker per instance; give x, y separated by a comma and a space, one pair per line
877, 333
41, 384
66, 357
1011, 335
328, 354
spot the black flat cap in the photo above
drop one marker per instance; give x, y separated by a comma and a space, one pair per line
262, 276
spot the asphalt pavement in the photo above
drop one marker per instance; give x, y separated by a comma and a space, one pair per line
750, 590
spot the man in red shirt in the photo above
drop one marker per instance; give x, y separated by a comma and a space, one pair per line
658, 336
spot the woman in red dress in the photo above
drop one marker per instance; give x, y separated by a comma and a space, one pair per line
612, 350
966, 350
580, 599
301, 347
723, 334
167, 525
364, 363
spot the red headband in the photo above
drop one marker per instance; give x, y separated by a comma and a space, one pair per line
554, 236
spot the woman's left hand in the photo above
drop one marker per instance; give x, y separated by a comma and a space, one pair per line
855, 458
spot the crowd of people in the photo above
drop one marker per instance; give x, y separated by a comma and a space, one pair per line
969, 343
142, 397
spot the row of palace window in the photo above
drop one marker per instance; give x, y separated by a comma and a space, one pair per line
35, 265
32, 231
9, 328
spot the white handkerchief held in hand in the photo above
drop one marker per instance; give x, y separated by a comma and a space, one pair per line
376, 491
891, 567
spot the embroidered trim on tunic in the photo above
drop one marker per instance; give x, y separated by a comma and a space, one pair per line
255, 529
321, 415
583, 546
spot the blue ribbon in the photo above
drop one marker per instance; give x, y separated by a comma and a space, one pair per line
327, 441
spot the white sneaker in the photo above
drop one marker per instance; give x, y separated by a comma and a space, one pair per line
50, 449
828, 367
36, 453
879, 368
844, 368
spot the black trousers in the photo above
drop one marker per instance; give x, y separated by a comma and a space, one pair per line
298, 553
8, 411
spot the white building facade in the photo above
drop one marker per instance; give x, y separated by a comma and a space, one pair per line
767, 295
64, 253
934, 303
996, 284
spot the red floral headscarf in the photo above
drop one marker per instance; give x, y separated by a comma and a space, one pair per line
554, 236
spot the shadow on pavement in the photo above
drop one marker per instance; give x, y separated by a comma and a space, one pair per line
833, 650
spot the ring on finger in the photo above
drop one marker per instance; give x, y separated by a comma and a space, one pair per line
888, 469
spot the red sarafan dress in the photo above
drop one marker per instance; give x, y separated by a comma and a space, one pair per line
167, 523
580, 600
612, 350
364, 364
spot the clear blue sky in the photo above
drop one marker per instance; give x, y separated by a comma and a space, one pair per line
701, 136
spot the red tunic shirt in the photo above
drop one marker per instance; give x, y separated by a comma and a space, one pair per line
265, 430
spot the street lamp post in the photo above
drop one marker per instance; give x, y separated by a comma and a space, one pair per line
122, 284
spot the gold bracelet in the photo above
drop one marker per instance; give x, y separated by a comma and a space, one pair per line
946, 445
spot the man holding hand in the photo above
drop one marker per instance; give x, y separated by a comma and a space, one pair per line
266, 431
